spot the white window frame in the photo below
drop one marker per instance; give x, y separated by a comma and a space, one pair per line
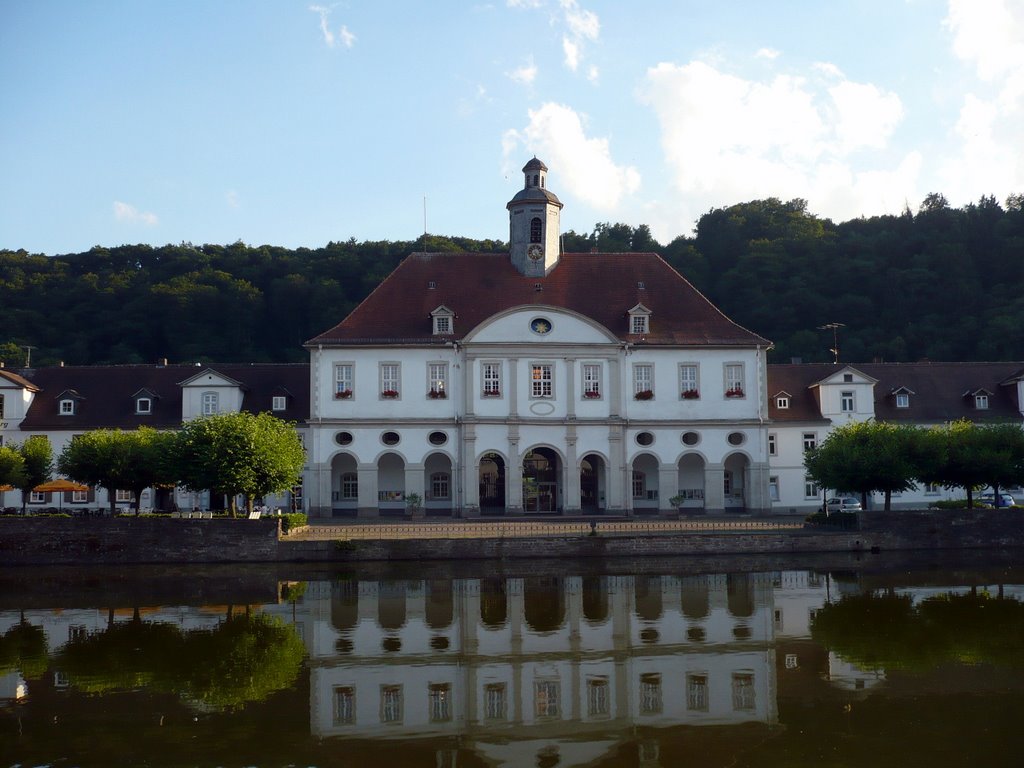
278, 403
210, 403
847, 401
773, 488
902, 400
639, 324
689, 379
782, 402
734, 377
437, 379
638, 484
390, 374
36, 497
439, 702
773, 444
542, 380
79, 497
143, 406
122, 496
67, 407
443, 325
344, 705
350, 486
591, 376
643, 378
810, 440
392, 705
811, 490
344, 380
981, 402
490, 378
440, 486
697, 693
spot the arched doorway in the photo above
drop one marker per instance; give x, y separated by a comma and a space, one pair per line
735, 482
644, 483
492, 484
541, 490
391, 485
592, 484
691, 482
344, 486
437, 482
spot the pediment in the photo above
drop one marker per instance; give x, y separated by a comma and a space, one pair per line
539, 324
839, 378
208, 377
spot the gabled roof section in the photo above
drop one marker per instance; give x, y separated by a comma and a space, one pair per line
70, 394
441, 310
17, 380
859, 377
145, 392
111, 392
902, 391
221, 379
600, 286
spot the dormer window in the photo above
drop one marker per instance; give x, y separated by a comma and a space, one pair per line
782, 402
278, 403
902, 400
981, 401
442, 319
639, 320
67, 407
143, 405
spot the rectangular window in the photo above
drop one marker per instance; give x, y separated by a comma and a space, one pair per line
278, 403
591, 381
638, 324
846, 402
391, 703
440, 702
344, 380
932, 489
442, 324
773, 444
742, 691
350, 486
344, 705
981, 402
597, 697
639, 485
143, 405
697, 692
67, 407
77, 632
492, 379
810, 489
495, 705
545, 698
782, 402
211, 403
773, 488
650, 694
810, 441
437, 384
902, 400
541, 380
643, 380
79, 497
734, 380
390, 380
440, 487
689, 388
123, 496
35, 497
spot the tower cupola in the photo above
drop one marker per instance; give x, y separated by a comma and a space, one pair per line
533, 214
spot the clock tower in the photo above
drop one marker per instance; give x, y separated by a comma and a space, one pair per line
533, 223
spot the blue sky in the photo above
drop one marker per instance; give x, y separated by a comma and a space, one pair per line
298, 123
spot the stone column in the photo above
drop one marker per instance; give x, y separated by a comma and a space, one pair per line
758, 499
368, 505
714, 489
571, 474
617, 499
668, 486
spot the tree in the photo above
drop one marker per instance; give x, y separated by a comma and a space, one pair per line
116, 460
12, 466
37, 464
239, 453
866, 456
969, 456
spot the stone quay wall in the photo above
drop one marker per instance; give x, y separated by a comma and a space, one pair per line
29, 540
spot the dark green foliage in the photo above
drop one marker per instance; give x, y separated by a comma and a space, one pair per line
945, 283
293, 520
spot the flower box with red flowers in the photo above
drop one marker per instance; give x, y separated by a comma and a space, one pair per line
390, 394
437, 394
492, 393
734, 392
644, 394
344, 394
592, 394
690, 394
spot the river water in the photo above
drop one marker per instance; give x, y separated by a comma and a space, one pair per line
667, 663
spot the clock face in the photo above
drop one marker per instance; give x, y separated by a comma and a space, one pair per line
535, 252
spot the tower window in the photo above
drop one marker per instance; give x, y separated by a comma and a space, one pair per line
535, 229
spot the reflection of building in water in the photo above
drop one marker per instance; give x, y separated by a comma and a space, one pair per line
522, 664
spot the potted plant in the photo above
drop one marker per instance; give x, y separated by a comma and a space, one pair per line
343, 394
644, 394
413, 504
690, 394
391, 394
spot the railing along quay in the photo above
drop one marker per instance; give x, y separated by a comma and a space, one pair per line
516, 529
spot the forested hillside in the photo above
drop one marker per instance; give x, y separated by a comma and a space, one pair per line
944, 284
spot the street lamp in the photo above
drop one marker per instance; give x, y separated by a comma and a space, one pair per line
834, 327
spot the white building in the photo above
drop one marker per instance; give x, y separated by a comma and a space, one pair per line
536, 382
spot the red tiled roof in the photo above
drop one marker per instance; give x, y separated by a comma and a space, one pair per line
476, 286
938, 390
108, 393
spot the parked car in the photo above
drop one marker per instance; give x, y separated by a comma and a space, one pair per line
989, 500
842, 504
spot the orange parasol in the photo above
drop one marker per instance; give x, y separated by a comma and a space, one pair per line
60, 485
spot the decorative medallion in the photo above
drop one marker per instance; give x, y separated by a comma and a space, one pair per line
540, 325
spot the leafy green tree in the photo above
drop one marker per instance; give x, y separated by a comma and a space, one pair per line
970, 456
37, 465
116, 460
12, 466
247, 454
862, 457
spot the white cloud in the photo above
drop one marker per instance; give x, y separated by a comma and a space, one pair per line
131, 214
988, 36
524, 3
346, 37
525, 74
571, 51
767, 53
231, 197
557, 134
583, 25
727, 139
